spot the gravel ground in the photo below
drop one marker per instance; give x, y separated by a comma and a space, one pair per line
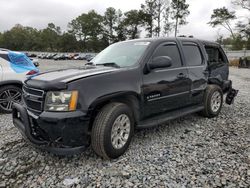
188, 152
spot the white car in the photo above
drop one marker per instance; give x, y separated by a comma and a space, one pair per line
15, 67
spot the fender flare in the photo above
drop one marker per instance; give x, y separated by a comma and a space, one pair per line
224, 84
132, 99
11, 82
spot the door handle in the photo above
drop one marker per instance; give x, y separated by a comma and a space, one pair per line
181, 75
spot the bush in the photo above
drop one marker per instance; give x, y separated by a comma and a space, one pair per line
234, 62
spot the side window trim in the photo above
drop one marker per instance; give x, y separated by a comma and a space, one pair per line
166, 44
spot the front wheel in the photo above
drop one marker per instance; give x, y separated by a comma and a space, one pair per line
112, 130
9, 95
213, 100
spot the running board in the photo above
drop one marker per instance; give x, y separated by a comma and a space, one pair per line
163, 118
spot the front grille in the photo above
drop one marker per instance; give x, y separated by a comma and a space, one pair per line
33, 98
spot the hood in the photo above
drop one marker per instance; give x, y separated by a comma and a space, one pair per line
57, 79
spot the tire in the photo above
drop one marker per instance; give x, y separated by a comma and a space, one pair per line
105, 127
213, 100
8, 95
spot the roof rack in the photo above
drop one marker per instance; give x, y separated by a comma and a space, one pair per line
190, 36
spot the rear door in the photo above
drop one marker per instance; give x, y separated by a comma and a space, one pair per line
167, 88
197, 70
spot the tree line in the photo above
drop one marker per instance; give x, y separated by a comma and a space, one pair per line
92, 32
240, 32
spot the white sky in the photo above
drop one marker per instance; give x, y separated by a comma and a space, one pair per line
38, 13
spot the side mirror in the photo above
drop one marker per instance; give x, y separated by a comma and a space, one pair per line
160, 62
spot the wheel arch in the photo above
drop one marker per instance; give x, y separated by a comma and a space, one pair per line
131, 99
225, 85
17, 83
216, 81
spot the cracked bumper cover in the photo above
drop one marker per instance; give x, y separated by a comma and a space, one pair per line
61, 133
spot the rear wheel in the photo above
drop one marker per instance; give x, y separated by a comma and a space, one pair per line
213, 100
112, 130
8, 95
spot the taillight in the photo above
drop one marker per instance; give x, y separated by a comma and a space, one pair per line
32, 72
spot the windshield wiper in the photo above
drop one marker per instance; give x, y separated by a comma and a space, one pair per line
109, 64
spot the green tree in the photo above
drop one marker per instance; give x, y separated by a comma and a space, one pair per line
244, 30
159, 11
120, 28
245, 4
179, 12
168, 24
50, 37
1, 39
148, 14
18, 38
223, 17
133, 21
110, 21
67, 43
87, 27
237, 42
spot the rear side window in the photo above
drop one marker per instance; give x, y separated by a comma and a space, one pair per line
5, 56
170, 50
192, 55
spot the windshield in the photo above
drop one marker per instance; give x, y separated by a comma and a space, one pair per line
122, 54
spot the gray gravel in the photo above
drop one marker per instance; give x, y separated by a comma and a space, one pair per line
188, 152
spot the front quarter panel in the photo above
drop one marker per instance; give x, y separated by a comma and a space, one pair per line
95, 87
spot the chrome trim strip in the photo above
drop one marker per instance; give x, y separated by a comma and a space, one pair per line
24, 86
32, 94
167, 96
33, 100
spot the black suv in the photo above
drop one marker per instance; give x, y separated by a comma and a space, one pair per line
129, 85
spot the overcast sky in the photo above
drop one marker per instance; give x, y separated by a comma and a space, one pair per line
38, 13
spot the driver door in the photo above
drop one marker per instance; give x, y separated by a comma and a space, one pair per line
166, 89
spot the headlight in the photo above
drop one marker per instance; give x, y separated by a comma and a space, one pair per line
61, 101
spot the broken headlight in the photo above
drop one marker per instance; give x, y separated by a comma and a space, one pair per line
61, 101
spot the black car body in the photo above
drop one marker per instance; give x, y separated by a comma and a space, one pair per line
171, 78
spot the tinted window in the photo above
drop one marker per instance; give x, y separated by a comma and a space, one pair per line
170, 50
192, 55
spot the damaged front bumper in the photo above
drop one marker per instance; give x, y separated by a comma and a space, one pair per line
61, 133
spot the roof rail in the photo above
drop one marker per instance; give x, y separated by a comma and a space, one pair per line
190, 36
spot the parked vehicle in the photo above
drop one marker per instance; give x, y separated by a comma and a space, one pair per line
31, 55
61, 57
79, 57
89, 57
72, 56
244, 62
131, 85
42, 56
35, 62
15, 67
